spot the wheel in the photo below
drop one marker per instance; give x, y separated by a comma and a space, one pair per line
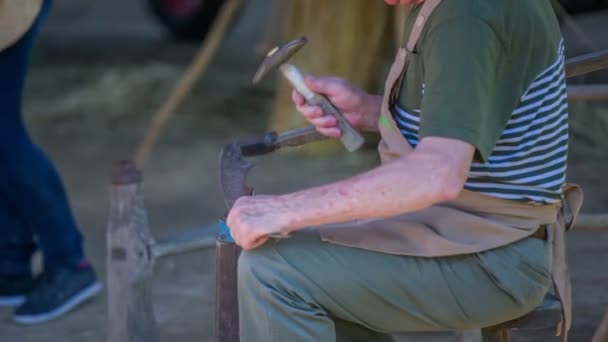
186, 19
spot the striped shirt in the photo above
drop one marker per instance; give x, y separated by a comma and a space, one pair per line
528, 163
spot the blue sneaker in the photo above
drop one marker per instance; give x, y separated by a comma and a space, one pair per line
57, 293
13, 290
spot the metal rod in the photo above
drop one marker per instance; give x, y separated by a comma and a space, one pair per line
299, 136
185, 241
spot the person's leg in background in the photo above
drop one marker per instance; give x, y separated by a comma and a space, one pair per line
37, 207
16, 249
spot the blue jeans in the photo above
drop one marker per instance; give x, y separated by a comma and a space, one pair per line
34, 210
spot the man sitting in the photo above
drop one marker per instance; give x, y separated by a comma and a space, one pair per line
455, 230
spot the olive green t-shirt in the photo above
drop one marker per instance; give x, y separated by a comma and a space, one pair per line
491, 73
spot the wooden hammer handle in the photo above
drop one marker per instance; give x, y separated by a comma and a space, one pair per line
351, 139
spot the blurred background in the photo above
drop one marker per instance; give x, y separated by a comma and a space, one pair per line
102, 68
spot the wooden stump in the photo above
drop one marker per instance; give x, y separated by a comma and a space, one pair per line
129, 261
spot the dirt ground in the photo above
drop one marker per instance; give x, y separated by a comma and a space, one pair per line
101, 68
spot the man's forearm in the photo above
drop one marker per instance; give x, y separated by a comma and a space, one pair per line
414, 182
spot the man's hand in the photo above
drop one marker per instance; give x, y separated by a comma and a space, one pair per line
253, 219
360, 108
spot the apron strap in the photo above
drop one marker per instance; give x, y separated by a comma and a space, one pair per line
421, 19
427, 9
572, 200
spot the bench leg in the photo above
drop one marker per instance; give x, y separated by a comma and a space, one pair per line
494, 335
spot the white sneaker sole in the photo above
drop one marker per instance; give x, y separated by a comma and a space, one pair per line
11, 301
70, 304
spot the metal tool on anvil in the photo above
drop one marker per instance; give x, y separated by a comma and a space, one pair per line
233, 170
278, 58
234, 167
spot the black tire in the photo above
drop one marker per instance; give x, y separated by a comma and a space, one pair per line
192, 25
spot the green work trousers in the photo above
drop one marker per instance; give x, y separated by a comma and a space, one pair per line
304, 289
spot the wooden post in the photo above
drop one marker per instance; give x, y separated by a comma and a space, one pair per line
129, 262
226, 293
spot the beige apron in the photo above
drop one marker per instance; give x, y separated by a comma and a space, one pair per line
470, 224
16, 17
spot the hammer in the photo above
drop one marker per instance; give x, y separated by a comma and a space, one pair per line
278, 57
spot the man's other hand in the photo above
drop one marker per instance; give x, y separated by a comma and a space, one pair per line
253, 219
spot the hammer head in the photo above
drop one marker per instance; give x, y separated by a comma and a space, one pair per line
278, 56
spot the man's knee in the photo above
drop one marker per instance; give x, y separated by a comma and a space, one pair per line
256, 265
283, 263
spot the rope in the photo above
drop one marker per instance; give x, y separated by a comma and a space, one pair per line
198, 65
